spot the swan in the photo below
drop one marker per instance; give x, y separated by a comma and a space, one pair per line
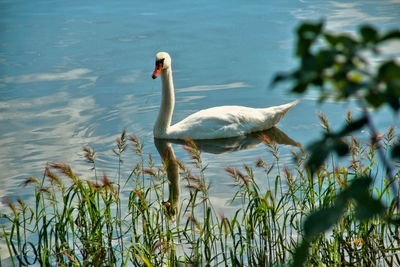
211, 123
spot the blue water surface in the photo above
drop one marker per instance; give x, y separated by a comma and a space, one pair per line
76, 73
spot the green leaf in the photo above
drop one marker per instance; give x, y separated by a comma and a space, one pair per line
303, 47
389, 75
394, 34
325, 59
280, 77
369, 34
301, 253
341, 42
331, 39
318, 153
300, 88
320, 221
307, 33
394, 220
389, 72
321, 149
354, 125
393, 101
396, 152
375, 99
310, 29
367, 206
350, 89
359, 186
347, 41
340, 147
308, 67
332, 142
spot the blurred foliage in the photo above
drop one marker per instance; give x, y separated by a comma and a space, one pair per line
338, 66
358, 192
322, 220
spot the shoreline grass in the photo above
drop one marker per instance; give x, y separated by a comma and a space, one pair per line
78, 222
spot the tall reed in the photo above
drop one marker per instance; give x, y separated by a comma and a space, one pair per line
84, 222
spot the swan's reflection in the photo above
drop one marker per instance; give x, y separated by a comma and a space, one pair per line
167, 154
232, 144
215, 146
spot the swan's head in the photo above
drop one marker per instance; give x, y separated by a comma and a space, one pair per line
163, 61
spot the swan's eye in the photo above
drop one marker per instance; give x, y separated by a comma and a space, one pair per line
160, 62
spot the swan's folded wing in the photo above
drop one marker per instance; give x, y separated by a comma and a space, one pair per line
222, 122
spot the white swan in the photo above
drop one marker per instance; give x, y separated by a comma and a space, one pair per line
212, 123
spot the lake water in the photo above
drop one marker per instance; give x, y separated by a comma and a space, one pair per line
76, 73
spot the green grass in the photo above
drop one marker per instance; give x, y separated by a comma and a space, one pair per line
79, 222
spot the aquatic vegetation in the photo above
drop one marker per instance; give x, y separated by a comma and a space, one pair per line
76, 221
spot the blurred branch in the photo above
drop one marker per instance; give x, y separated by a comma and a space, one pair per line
387, 165
336, 66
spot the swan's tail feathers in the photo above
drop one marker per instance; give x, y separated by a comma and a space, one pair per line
286, 107
290, 105
280, 111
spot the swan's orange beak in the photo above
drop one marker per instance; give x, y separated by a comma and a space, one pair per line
157, 70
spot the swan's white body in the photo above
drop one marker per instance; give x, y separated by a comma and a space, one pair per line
212, 123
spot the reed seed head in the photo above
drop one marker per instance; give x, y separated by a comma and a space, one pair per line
324, 122
90, 154
66, 170
31, 180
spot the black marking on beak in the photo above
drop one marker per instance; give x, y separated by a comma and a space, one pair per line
160, 61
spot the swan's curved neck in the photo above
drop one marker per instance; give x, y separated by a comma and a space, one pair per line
167, 104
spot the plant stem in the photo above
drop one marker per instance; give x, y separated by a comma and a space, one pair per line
375, 140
